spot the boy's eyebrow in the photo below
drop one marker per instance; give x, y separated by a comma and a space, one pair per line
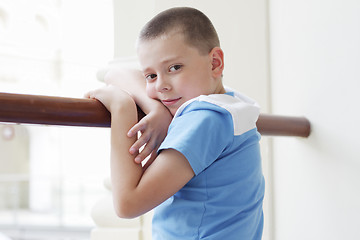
166, 60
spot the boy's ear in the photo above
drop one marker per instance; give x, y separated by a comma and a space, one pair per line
217, 56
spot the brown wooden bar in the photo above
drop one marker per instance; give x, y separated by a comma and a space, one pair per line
275, 125
49, 110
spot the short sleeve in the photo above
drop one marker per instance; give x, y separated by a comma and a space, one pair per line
201, 133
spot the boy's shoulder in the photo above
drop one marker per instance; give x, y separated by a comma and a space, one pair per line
243, 110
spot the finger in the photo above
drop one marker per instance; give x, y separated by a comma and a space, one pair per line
142, 156
150, 160
144, 139
87, 95
91, 94
140, 126
148, 149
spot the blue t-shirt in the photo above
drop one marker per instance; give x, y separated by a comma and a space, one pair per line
217, 134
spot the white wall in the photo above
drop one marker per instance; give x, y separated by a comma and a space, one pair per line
315, 71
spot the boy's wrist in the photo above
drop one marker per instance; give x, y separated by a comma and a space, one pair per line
160, 108
153, 106
123, 104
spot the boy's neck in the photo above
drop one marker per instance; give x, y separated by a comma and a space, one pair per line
220, 89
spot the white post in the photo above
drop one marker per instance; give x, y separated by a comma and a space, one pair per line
111, 227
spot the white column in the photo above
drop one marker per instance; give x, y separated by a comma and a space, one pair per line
111, 227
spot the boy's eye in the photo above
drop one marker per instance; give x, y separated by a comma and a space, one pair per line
150, 77
175, 68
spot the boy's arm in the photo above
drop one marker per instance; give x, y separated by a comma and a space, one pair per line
133, 82
135, 190
154, 125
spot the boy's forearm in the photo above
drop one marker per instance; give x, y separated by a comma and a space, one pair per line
132, 81
125, 173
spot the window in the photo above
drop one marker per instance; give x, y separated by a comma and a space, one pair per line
50, 177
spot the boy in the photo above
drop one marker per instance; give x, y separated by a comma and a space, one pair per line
206, 180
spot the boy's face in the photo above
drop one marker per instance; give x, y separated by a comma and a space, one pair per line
175, 72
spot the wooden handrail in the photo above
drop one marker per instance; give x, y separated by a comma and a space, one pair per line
48, 110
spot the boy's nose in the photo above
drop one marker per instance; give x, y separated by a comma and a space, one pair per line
162, 84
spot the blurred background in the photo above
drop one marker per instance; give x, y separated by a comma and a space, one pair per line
297, 58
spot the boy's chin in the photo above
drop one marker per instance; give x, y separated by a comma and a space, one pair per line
172, 111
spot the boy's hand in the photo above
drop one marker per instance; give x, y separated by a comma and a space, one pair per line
153, 128
110, 96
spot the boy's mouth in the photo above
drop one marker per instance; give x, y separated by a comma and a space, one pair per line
169, 102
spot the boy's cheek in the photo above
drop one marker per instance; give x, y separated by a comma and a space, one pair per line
151, 93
